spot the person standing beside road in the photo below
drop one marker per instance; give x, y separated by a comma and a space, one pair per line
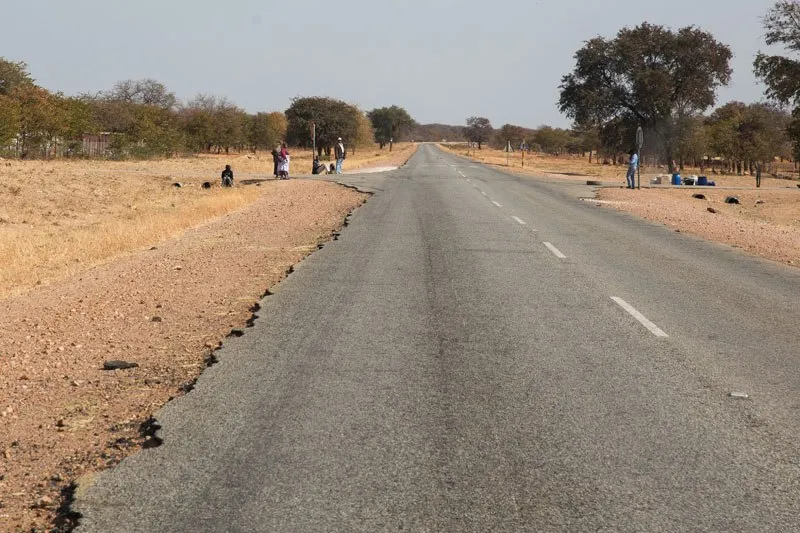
283, 165
758, 175
341, 154
632, 166
276, 159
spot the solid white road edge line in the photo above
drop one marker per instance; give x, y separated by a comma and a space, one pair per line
556, 251
495, 203
655, 330
519, 220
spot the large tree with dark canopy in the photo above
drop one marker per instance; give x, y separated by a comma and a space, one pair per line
390, 123
333, 119
782, 74
12, 75
478, 130
649, 76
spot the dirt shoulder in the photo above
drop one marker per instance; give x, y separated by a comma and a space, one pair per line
165, 309
766, 222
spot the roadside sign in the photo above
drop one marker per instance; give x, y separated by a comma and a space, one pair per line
639, 139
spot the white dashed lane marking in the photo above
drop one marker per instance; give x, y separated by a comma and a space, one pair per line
495, 203
655, 330
519, 221
556, 251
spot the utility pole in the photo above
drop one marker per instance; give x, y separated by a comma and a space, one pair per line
639, 144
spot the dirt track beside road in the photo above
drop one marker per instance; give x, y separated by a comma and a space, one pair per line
165, 309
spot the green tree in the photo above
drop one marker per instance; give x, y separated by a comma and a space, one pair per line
197, 123
365, 134
478, 130
212, 122
9, 120
782, 74
333, 119
42, 120
723, 127
390, 123
552, 140
587, 138
13, 74
267, 130
516, 135
141, 115
748, 134
692, 141
648, 76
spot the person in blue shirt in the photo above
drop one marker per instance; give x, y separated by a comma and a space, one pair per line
632, 166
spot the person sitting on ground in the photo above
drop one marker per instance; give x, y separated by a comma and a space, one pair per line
227, 177
319, 168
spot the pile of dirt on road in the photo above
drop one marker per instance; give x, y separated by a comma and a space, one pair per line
164, 309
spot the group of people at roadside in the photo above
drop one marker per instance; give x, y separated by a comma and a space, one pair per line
280, 158
339, 152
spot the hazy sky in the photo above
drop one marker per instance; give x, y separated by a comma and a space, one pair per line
443, 60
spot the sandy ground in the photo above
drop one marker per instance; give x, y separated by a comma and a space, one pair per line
59, 217
165, 309
161, 297
104, 261
766, 222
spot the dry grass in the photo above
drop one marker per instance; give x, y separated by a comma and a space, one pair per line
578, 168
58, 218
209, 166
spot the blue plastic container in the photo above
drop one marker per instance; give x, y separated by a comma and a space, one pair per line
676, 179
702, 180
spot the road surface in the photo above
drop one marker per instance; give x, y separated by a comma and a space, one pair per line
482, 352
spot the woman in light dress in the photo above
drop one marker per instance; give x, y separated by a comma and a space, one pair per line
283, 163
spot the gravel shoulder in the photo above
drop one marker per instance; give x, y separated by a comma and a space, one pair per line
166, 309
765, 223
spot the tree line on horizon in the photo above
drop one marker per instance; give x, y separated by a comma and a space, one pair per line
143, 119
652, 77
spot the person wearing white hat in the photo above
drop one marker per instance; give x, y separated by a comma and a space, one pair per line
341, 154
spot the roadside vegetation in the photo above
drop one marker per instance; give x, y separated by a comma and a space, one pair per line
665, 81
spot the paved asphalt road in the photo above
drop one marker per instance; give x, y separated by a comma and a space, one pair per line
481, 352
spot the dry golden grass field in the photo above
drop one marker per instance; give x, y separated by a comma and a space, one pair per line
60, 217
